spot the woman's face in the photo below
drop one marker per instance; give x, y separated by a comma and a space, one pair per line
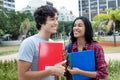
79, 29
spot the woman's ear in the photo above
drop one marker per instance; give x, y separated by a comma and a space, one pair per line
39, 24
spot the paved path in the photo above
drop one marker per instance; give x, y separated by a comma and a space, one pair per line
112, 56
108, 56
9, 57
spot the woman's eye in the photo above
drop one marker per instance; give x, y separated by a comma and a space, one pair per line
80, 25
74, 25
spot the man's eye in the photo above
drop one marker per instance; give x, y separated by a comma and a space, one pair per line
52, 18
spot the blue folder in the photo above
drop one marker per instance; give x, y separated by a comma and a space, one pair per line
84, 60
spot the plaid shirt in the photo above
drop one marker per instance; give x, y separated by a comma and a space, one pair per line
101, 66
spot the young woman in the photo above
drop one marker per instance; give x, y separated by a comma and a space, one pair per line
82, 39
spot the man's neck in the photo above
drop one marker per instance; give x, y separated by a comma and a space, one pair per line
44, 35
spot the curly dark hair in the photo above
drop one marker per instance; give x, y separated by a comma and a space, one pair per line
41, 14
88, 30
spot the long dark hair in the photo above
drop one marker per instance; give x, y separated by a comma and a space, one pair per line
88, 30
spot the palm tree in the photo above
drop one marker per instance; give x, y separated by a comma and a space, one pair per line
114, 15
99, 21
25, 26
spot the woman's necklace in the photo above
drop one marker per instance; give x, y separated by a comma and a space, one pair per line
80, 47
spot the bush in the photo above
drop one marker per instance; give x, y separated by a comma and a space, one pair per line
8, 70
1, 33
114, 70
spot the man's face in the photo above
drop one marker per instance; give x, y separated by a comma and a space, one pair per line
51, 24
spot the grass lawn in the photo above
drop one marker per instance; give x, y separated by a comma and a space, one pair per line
9, 69
111, 49
14, 49
8, 49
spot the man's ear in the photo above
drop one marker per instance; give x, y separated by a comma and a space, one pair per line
39, 23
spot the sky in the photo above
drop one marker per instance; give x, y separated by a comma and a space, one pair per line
71, 5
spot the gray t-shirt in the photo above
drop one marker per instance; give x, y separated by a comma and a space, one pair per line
28, 52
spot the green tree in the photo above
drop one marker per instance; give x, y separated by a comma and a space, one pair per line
100, 21
117, 25
3, 18
64, 26
114, 15
101, 17
33, 30
1, 33
10, 21
95, 25
25, 26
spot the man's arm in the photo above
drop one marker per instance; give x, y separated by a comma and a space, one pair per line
25, 74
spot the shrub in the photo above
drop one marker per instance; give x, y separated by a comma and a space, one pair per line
114, 70
8, 70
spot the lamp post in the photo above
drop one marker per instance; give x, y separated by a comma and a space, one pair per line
114, 36
63, 31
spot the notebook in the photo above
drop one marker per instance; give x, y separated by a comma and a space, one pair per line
50, 53
84, 60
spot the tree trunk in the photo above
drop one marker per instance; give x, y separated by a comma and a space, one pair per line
114, 34
109, 25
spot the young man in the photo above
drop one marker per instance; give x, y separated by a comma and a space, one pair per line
46, 22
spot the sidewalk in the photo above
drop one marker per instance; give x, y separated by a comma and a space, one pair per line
108, 56
112, 56
8, 57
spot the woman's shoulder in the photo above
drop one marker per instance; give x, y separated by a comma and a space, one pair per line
96, 45
68, 47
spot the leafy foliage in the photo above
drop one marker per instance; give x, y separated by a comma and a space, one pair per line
1, 33
8, 70
111, 15
113, 70
101, 17
64, 26
25, 26
114, 14
10, 21
33, 30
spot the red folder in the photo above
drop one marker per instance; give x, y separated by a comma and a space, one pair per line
50, 53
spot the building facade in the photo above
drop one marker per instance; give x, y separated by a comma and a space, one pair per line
9, 4
33, 4
1, 5
90, 8
65, 15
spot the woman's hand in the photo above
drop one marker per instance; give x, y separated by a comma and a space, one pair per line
74, 70
64, 54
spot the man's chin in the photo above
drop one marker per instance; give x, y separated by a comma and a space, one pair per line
54, 32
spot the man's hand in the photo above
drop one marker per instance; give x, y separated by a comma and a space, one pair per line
58, 69
64, 54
